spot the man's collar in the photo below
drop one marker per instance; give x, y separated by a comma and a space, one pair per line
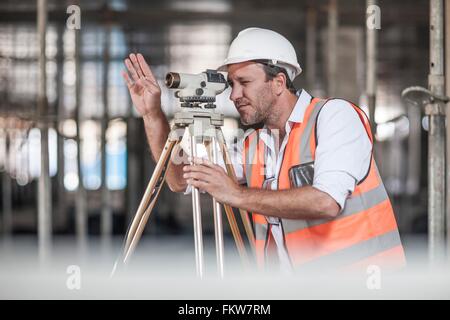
303, 101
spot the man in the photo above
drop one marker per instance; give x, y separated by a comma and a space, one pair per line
343, 216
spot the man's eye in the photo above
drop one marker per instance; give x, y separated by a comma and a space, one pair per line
245, 82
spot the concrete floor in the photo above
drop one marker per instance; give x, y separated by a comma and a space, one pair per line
164, 268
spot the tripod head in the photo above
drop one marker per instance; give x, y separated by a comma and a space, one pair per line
194, 89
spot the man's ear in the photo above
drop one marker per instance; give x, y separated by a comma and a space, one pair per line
279, 83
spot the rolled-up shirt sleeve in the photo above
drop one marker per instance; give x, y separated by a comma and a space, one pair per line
343, 151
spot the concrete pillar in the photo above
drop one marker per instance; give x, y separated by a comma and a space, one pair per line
311, 47
371, 71
333, 26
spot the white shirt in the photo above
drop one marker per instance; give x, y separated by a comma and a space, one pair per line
342, 156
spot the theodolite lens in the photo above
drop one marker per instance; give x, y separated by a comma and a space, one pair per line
173, 80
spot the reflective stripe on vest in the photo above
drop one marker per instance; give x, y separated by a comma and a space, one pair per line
365, 230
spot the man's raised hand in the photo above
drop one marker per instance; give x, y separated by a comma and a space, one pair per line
144, 89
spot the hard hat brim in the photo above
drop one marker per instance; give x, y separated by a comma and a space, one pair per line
224, 66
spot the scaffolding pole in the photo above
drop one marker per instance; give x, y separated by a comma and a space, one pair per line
333, 26
447, 84
133, 166
62, 205
436, 137
371, 73
81, 227
6, 191
106, 212
44, 184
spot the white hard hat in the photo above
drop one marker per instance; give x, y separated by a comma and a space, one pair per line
263, 44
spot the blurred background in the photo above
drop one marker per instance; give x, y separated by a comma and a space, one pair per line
74, 161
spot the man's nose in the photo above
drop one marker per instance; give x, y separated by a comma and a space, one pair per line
236, 93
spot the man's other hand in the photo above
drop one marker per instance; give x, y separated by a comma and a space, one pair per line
212, 178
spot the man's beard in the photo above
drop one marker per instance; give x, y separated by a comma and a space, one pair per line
257, 115
264, 103
250, 119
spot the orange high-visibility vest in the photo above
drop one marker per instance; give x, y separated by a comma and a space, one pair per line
364, 233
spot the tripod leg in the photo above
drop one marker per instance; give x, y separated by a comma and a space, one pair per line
197, 215
236, 233
230, 170
148, 201
218, 226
